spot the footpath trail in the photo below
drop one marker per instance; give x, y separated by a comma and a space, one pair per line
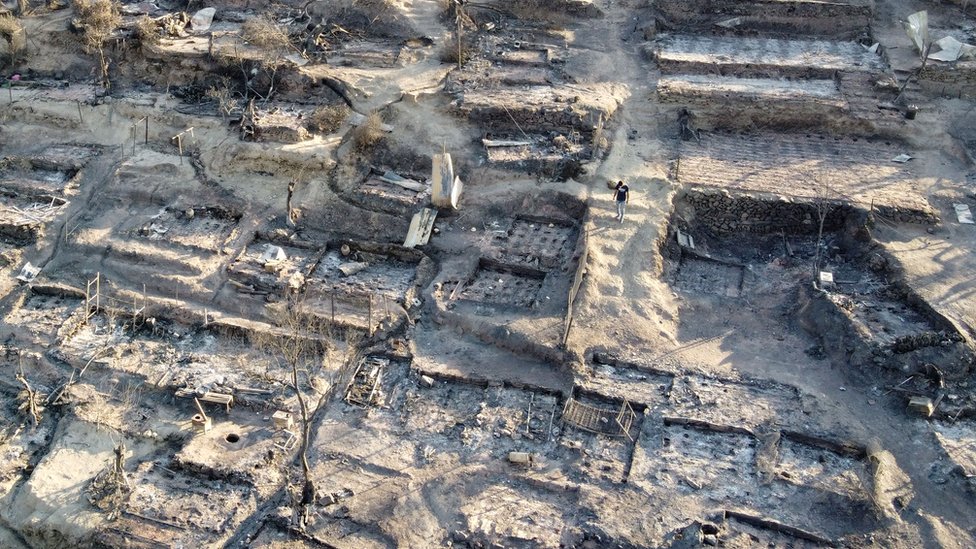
623, 297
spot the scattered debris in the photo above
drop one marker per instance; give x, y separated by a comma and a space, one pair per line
729, 23
599, 420
775, 525
395, 179
202, 19
36, 213
274, 124
283, 420
28, 273
201, 421
421, 227
963, 213
297, 59
33, 401
362, 390
290, 441
204, 395
358, 119
349, 269
922, 405
951, 49
110, 488
446, 187
489, 143
272, 253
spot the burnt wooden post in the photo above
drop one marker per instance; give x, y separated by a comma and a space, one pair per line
133, 130
179, 143
369, 314
179, 140
93, 296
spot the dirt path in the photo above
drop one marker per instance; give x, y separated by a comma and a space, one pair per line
623, 298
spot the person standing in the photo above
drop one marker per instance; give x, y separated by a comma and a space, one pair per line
621, 195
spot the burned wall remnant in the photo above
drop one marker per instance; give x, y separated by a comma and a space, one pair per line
544, 109
803, 169
835, 19
728, 213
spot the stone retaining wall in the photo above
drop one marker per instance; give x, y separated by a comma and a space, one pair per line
542, 108
830, 19
726, 213
950, 79
832, 326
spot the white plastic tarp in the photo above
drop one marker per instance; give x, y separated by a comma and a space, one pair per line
917, 28
358, 119
297, 59
273, 253
202, 19
963, 213
28, 273
951, 49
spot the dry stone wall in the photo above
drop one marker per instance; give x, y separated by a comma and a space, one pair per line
725, 213
833, 19
951, 79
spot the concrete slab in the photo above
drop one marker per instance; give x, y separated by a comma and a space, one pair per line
787, 165
743, 56
712, 88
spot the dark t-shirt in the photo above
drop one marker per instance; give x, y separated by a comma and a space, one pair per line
622, 193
